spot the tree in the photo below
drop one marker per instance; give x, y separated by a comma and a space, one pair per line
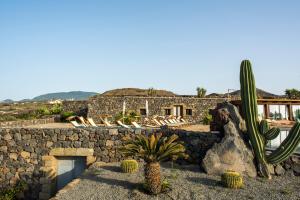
201, 92
152, 150
292, 93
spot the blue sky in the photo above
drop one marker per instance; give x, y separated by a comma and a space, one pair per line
52, 46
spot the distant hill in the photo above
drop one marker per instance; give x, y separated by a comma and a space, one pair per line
7, 101
138, 92
74, 95
215, 95
260, 93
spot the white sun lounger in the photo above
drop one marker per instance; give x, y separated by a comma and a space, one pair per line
183, 120
106, 123
162, 122
121, 124
136, 125
172, 121
166, 121
91, 121
75, 124
157, 122
81, 119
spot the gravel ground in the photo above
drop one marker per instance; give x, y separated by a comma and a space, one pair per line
188, 182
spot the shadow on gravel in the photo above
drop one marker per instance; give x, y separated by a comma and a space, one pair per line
205, 181
112, 168
113, 182
192, 168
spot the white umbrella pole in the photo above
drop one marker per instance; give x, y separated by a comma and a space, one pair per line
147, 109
124, 109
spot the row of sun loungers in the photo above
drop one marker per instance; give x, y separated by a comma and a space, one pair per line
89, 122
154, 122
166, 121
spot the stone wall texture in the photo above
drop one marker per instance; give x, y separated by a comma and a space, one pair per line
78, 107
109, 106
23, 151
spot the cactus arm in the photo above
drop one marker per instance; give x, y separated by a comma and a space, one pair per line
287, 147
272, 133
263, 127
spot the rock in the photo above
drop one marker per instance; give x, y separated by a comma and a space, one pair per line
62, 137
231, 153
295, 159
17, 136
271, 169
113, 132
29, 149
25, 154
109, 143
26, 137
3, 149
13, 156
9, 176
77, 144
54, 138
7, 137
223, 113
296, 169
49, 144
279, 170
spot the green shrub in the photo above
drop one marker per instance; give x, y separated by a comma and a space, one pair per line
11, 193
129, 117
201, 92
5, 118
207, 119
43, 111
27, 116
67, 114
56, 109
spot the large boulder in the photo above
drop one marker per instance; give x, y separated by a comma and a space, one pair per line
233, 152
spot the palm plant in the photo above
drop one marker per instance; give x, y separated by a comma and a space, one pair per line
154, 149
201, 92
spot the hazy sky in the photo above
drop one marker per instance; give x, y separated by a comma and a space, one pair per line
64, 45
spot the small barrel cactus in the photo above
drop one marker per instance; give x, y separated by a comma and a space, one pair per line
232, 179
129, 166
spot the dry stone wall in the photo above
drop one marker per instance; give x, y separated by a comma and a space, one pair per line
24, 152
110, 106
78, 107
23, 123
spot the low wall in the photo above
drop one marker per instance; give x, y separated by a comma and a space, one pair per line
23, 123
24, 153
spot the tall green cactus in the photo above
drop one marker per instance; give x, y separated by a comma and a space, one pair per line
259, 132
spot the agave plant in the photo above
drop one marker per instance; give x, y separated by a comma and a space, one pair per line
152, 150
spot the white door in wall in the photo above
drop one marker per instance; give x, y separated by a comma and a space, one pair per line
178, 110
68, 169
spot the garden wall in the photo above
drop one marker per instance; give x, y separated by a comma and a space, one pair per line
23, 123
78, 107
29, 154
110, 106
